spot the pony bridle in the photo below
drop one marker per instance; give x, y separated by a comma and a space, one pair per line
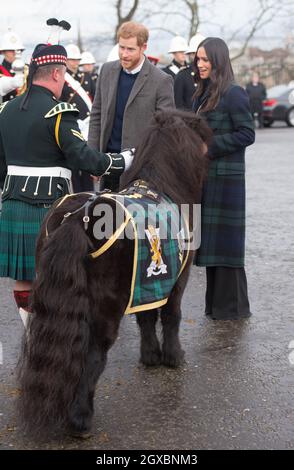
85, 206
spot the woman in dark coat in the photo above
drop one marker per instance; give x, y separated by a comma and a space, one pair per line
225, 106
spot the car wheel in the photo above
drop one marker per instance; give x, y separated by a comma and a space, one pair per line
290, 117
268, 123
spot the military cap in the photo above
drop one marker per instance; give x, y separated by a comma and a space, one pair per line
46, 54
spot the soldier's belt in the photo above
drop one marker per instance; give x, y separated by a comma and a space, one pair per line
51, 171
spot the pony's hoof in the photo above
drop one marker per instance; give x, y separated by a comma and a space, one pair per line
80, 434
173, 360
151, 359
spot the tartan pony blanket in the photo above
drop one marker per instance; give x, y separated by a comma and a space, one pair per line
161, 244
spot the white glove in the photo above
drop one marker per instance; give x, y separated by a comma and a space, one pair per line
84, 126
128, 155
120, 162
8, 84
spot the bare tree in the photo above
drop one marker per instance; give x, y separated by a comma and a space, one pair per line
267, 11
171, 16
124, 13
199, 14
194, 9
185, 17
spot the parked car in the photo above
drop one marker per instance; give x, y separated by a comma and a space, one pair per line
279, 105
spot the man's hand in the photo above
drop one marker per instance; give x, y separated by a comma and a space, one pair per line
95, 178
120, 162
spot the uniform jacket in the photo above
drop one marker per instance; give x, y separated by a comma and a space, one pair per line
44, 135
71, 96
173, 68
185, 87
152, 91
223, 200
94, 76
5, 69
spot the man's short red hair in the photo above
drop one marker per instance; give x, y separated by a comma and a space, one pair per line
130, 29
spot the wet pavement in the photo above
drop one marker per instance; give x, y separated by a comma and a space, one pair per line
235, 390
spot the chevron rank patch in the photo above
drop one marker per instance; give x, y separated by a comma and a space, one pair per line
61, 108
2, 106
77, 134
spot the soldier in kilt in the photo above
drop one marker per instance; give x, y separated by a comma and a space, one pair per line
40, 143
225, 106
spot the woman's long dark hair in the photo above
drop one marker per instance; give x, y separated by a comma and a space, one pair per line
221, 76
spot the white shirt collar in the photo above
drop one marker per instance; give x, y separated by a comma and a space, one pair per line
137, 69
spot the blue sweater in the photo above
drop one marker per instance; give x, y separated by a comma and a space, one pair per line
125, 85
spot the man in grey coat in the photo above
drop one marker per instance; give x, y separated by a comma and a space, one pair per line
128, 92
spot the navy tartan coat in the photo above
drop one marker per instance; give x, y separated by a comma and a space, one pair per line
223, 198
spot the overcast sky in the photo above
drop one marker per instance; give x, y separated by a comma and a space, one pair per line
28, 19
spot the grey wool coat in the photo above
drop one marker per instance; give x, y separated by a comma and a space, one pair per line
223, 199
152, 91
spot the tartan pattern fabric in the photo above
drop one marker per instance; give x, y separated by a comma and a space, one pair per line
155, 288
223, 197
232, 125
223, 222
19, 227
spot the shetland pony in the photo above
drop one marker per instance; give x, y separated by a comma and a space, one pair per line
78, 301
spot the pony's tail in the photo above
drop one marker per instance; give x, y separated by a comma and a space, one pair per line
56, 345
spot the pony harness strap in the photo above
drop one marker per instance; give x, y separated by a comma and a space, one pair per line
161, 244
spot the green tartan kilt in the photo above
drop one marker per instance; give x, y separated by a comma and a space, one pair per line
19, 227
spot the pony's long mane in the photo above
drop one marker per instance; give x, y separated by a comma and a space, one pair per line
170, 133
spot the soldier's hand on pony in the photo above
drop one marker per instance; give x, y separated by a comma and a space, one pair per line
120, 162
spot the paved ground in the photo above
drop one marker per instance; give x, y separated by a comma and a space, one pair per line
236, 389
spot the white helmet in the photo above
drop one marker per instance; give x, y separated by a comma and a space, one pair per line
178, 44
113, 54
194, 43
87, 58
73, 52
11, 42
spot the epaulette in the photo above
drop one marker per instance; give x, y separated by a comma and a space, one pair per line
61, 108
2, 106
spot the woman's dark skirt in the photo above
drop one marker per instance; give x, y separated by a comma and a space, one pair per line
226, 295
19, 228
